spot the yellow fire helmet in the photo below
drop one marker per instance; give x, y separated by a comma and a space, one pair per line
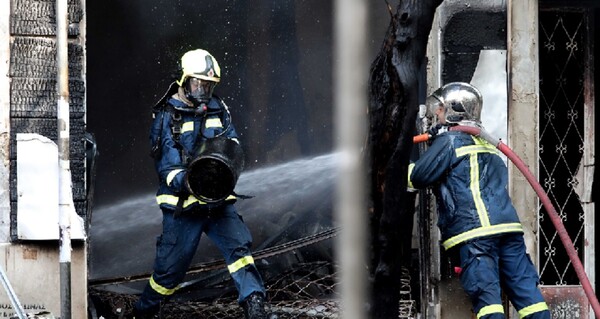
199, 64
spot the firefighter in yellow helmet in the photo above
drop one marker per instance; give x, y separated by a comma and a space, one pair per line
188, 115
200, 75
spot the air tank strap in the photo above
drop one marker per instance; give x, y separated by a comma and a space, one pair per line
179, 207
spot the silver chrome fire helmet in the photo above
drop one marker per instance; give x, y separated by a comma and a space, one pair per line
462, 102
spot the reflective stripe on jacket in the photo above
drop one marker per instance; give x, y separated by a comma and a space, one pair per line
469, 179
171, 163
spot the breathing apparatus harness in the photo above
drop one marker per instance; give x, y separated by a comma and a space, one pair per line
177, 112
200, 111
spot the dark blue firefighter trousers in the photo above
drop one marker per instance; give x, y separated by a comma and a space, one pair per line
490, 264
176, 246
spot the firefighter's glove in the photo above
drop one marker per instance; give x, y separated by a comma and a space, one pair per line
435, 130
176, 180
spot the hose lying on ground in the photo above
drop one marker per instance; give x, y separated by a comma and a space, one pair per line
556, 221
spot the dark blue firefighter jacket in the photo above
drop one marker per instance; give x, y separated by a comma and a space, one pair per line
469, 179
171, 163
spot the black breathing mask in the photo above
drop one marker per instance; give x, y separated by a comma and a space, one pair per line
199, 91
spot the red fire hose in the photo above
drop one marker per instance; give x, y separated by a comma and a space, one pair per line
560, 228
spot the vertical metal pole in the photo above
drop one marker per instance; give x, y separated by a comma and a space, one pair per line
64, 177
350, 81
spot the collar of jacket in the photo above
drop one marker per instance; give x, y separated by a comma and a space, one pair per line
180, 96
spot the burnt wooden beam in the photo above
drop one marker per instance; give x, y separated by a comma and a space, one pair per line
393, 106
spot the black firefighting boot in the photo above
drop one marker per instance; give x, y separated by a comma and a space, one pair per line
136, 314
254, 308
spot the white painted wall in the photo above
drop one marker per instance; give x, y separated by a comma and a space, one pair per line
33, 271
32, 268
38, 204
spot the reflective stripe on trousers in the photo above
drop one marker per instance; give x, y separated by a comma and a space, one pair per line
177, 245
486, 262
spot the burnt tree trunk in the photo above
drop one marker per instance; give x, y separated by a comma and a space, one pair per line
393, 106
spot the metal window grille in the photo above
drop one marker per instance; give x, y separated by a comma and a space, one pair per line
562, 138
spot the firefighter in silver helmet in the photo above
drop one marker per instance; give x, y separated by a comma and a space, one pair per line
459, 101
185, 117
475, 214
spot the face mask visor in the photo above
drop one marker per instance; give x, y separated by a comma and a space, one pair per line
199, 91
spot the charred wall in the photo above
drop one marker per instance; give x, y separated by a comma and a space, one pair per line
33, 87
466, 32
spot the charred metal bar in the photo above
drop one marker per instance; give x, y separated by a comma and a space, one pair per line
220, 263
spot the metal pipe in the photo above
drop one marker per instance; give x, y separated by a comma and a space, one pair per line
65, 200
11, 295
350, 94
